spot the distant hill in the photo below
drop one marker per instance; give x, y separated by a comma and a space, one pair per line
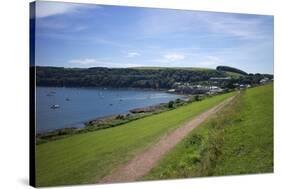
139, 77
231, 69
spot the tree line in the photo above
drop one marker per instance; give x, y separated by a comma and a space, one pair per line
119, 77
162, 78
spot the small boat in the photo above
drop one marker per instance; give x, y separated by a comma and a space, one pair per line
67, 99
110, 104
55, 106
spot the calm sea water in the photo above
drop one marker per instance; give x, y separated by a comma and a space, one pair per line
78, 105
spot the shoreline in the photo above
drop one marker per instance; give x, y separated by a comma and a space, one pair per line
112, 120
72, 126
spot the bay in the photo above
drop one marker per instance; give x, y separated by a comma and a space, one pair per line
78, 105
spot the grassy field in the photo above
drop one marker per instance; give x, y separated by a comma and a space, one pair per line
238, 140
233, 75
85, 158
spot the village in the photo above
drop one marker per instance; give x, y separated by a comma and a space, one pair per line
214, 85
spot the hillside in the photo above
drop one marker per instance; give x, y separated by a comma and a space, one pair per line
238, 140
142, 77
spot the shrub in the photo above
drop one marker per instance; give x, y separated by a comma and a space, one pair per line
196, 139
171, 104
120, 117
197, 98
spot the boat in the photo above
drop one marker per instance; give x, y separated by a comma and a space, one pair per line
55, 106
67, 99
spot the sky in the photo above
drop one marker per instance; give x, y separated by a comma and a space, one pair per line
87, 35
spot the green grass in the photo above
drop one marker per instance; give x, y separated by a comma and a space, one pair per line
238, 140
233, 74
86, 158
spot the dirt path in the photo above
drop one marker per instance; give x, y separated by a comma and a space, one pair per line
142, 163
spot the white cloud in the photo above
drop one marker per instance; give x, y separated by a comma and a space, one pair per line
168, 58
46, 9
175, 23
211, 61
86, 61
133, 54
174, 57
233, 25
160, 21
92, 62
110, 42
214, 59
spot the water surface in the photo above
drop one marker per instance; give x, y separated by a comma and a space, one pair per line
78, 105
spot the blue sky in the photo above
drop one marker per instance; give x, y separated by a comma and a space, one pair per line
87, 35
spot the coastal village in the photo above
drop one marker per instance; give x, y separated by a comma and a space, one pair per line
213, 86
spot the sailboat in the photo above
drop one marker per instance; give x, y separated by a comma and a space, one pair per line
55, 106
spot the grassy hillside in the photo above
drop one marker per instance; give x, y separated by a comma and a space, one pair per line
239, 140
142, 77
85, 158
233, 75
